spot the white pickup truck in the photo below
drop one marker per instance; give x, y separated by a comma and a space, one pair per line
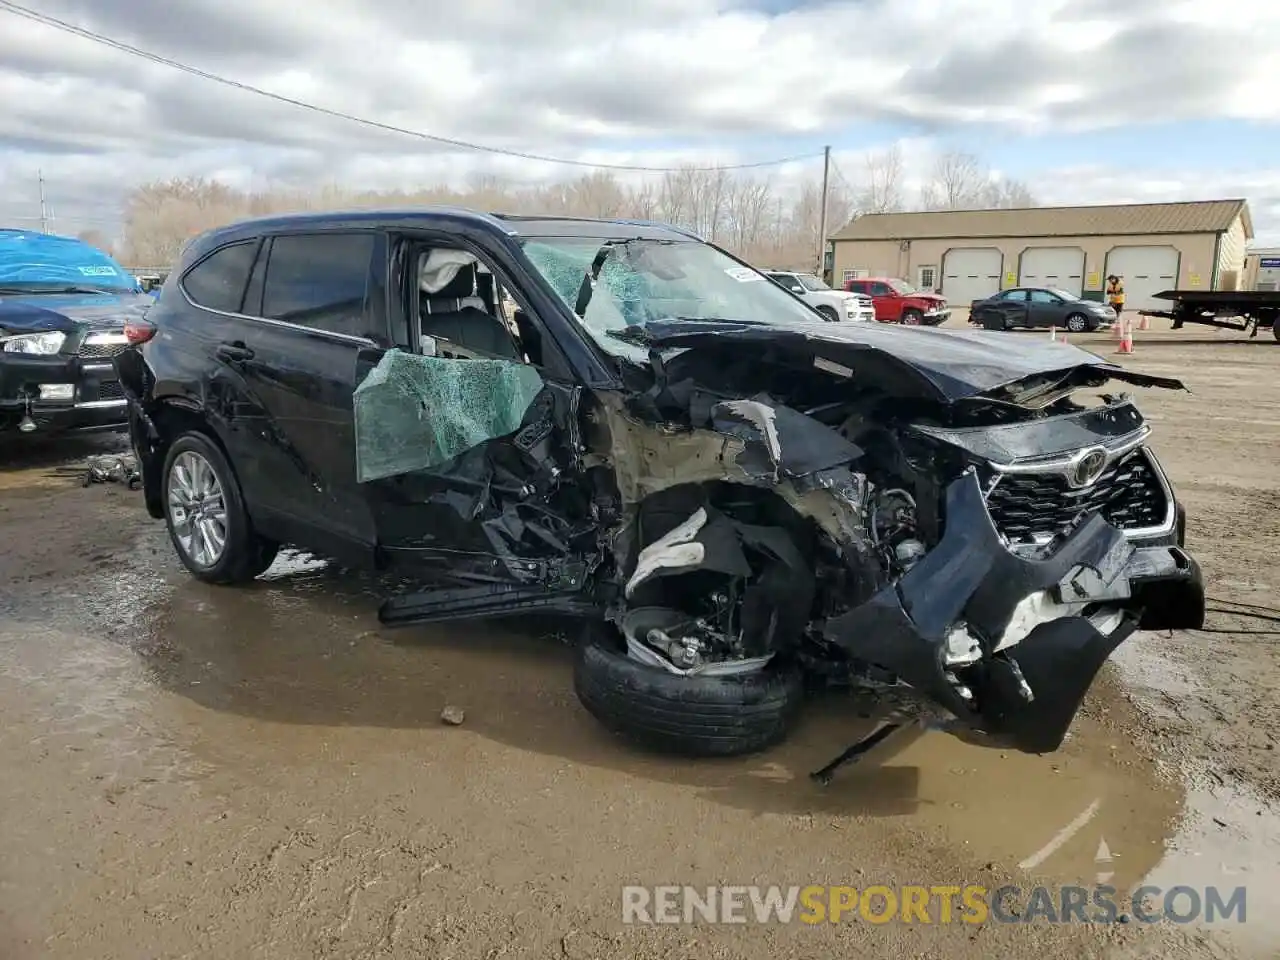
834, 305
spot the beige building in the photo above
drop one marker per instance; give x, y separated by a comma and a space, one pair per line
971, 254
1262, 269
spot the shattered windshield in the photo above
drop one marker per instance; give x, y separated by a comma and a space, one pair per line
639, 281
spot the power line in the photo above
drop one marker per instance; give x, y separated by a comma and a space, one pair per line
835, 167
24, 12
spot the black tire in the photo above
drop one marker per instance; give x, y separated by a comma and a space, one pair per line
245, 555
829, 314
1077, 323
689, 716
912, 318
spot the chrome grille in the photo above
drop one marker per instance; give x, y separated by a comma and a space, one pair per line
1033, 507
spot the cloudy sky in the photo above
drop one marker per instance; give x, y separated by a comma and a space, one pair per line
1086, 100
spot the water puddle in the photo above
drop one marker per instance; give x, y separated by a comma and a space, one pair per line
1229, 838
295, 672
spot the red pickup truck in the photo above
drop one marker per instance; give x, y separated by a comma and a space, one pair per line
896, 301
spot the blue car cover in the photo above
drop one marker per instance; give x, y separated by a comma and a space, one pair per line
39, 259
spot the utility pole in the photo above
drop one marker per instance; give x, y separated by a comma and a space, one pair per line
44, 209
822, 212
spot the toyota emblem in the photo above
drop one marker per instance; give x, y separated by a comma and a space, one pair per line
1088, 467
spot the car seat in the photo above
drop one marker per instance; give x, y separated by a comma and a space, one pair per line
460, 313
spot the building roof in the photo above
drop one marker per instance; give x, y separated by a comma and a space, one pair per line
1197, 216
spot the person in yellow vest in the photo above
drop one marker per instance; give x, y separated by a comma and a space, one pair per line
1115, 293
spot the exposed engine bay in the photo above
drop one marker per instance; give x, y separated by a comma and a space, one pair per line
889, 541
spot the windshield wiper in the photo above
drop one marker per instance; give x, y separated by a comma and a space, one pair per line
37, 291
634, 334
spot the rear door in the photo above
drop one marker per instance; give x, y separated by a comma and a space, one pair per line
200, 332
314, 304
1012, 306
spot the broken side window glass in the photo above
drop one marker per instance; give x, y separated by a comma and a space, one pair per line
414, 412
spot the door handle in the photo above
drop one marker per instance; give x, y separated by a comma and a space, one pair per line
234, 352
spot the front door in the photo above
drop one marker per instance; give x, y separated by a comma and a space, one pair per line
888, 310
462, 446
1045, 309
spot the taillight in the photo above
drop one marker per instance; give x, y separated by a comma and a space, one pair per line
139, 331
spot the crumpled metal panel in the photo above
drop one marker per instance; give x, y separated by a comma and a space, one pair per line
414, 412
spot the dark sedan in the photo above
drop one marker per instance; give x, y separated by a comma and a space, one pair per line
1033, 307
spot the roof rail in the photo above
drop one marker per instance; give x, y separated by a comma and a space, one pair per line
683, 231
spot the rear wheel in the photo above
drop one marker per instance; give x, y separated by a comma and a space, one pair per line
829, 314
691, 715
912, 318
206, 517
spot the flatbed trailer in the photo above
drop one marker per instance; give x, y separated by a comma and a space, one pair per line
1243, 310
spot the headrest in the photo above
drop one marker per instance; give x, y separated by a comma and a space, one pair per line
447, 273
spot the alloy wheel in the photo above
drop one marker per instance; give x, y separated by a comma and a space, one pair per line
197, 509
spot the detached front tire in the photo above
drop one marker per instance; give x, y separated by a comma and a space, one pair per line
694, 716
205, 514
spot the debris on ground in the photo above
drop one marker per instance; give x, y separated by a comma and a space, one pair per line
453, 716
115, 468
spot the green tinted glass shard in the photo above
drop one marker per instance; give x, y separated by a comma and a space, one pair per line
414, 413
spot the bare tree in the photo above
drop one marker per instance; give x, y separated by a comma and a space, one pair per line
957, 182
881, 187
597, 194
760, 221
95, 238
746, 217
1008, 194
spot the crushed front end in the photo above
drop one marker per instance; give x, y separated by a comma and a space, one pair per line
976, 557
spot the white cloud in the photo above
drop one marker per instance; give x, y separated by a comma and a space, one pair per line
599, 81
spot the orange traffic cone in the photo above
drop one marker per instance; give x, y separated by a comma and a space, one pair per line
1126, 337
1144, 323
1117, 329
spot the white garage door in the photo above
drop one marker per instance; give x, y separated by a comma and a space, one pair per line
971, 273
1146, 271
1061, 267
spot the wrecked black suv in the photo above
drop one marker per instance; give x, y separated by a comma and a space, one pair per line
619, 422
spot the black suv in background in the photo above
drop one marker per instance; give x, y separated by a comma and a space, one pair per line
617, 421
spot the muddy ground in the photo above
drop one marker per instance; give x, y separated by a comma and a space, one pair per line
199, 772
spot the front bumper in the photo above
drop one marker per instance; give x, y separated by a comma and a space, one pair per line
96, 401
935, 317
1025, 694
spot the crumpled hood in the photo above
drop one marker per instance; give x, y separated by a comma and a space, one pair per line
71, 312
946, 365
